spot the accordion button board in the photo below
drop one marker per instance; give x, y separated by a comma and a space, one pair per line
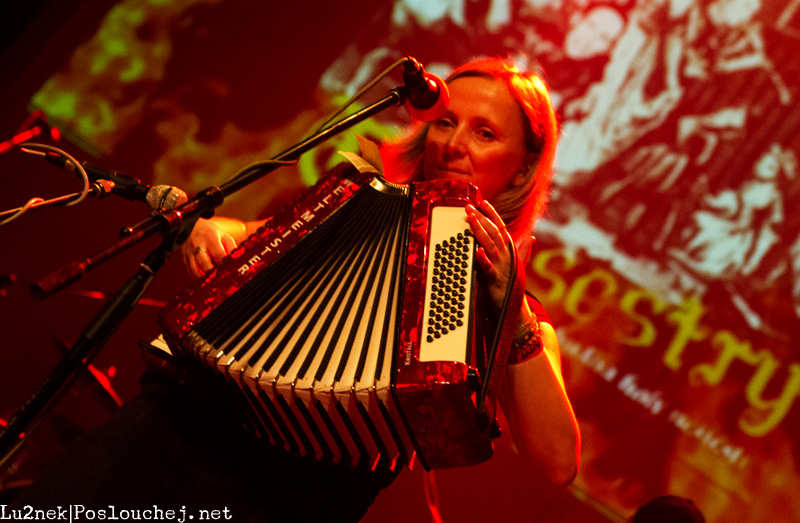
449, 282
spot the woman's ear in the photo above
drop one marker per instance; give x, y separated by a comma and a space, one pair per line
522, 175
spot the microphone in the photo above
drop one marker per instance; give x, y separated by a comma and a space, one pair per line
428, 95
158, 197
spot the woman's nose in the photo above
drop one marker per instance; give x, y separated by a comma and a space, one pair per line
456, 142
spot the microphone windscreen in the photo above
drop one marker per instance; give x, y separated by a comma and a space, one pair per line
165, 197
436, 110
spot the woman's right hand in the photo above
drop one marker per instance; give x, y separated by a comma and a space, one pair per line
210, 242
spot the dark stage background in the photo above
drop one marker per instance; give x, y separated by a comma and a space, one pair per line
670, 259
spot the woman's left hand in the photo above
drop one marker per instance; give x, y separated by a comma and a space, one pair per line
494, 251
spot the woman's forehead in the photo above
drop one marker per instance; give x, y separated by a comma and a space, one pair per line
485, 97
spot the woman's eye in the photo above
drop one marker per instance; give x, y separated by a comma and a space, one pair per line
445, 123
486, 134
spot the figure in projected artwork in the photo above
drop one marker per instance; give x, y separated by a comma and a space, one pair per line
735, 229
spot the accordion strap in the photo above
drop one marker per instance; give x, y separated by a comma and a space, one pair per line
497, 356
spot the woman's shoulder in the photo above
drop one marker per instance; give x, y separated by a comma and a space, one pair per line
537, 308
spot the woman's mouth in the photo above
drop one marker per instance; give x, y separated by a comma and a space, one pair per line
453, 171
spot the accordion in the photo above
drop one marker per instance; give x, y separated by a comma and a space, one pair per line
350, 326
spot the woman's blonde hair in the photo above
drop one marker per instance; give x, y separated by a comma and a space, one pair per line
521, 205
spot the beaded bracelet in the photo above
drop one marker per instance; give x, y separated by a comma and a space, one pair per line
528, 344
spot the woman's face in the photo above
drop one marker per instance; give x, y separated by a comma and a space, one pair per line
480, 138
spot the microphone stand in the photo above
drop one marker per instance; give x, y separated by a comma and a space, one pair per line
174, 225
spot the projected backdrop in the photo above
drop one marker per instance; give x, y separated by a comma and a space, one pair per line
670, 260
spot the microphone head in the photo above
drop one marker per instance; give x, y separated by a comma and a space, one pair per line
429, 103
165, 197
